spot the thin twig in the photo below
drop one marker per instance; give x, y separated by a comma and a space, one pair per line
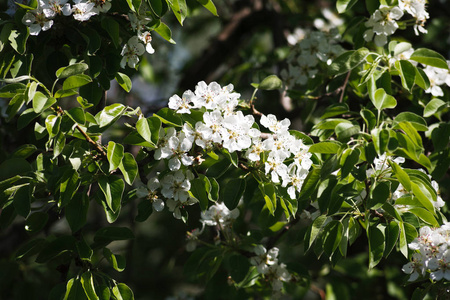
97, 147
344, 86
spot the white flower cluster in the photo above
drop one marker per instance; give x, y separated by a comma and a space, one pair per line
216, 215
383, 22
417, 9
41, 18
266, 263
234, 131
222, 127
219, 215
432, 254
174, 188
304, 59
141, 42
437, 77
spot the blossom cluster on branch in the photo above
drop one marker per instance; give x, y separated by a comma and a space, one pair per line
385, 20
42, 19
431, 254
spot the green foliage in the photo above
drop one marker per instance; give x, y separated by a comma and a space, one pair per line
353, 198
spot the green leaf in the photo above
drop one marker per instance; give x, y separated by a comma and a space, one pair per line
117, 261
129, 168
349, 159
77, 115
434, 106
70, 183
348, 61
121, 291
392, 233
30, 248
110, 114
31, 90
134, 138
22, 200
407, 73
87, 281
200, 189
232, 157
315, 229
179, 9
59, 143
74, 290
42, 102
14, 106
376, 245
416, 121
114, 154
143, 127
402, 176
158, 7
164, 31
112, 27
332, 235
109, 234
169, 117
145, 209
310, 184
10, 90
124, 81
391, 210
232, 192
418, 191
76, 81
271, 82
238, 266
335, 110
18, 40
344, 131
379, 195
112, 187
60, 245
214, 193
36, 221
74, 69
422, 79
424, 215
12, 167
430, 58
24, 151
411, 132
270, 196
209, 5
328, 147
380, 139
369, 117
343, 5
381, 100
76, 211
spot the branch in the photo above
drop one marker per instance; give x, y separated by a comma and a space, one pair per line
228, 42
97, 147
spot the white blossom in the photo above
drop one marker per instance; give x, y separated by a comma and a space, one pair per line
83, 10
131, 52
182, 105
52, 8
432, 254
382, 24
37, 21
218, 214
